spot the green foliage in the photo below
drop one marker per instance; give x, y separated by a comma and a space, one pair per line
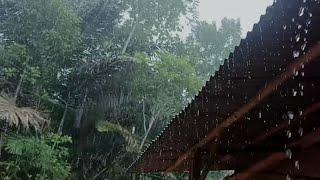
37, 158
132, 142
165, 76
208, 46
109, 66
48, 28
41, 37
151, 22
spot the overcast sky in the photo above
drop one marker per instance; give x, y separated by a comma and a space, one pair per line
248, 11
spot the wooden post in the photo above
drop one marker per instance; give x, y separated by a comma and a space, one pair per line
195, 170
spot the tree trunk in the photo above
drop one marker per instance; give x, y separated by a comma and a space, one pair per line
2, 136
77, 123
144, 117
63, 119
16, 94
152, 120
129, 39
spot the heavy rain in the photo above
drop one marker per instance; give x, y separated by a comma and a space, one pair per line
159, 89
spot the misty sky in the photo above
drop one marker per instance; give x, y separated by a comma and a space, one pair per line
248, 11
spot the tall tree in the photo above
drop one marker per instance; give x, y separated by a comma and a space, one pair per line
210, 45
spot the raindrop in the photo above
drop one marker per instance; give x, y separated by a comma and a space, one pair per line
284, 27
300, 131
310, 14
288, 177
296, 54
300, 113
288, 133
296, 164
302, 74
308, 22
292, 19
260, 115
301, 86
290, 115
301, 11
299, 26
289, 153
133, 130
297, 37
303, 46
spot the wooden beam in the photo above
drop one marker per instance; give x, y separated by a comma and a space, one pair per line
275, 158
298, 64
196, 165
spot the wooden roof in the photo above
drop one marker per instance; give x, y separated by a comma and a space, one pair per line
261, 107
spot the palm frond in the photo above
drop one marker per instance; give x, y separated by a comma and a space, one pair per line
20, 116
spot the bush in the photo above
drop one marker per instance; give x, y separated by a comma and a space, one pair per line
36, 158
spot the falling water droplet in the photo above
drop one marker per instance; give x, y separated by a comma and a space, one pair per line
294, 93
300, 113
299, 26
296, 164
297, 37
260, 115
288, 177
288, 133
284, 27
290, 115
296, 54
289, 153
300, 131
310, 14
303, 46
308, 22
301, 11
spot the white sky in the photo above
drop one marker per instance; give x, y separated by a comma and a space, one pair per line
248, 11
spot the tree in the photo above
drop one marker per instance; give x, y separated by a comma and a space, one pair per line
108, 73
207, 46
162, 84
151, 21
49, 32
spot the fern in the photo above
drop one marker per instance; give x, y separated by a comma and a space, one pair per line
36, 158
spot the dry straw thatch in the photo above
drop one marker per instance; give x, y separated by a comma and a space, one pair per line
20, 116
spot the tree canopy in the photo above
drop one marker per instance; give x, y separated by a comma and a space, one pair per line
86, 85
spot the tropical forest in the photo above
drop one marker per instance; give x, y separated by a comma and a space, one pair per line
86, 85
